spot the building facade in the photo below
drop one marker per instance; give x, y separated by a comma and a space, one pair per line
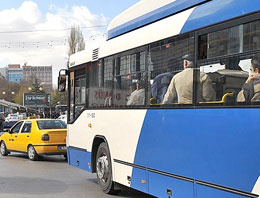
43, 74
14, 73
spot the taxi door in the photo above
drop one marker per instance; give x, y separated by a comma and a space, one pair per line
24, 136
12, 140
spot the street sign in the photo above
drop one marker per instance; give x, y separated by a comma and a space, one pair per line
36, 100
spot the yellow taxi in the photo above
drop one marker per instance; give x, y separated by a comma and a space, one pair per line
35, 137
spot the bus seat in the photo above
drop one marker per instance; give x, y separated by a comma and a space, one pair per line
227, 98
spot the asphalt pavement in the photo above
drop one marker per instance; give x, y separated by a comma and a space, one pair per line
51, 177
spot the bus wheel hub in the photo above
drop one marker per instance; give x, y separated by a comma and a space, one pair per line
102, 168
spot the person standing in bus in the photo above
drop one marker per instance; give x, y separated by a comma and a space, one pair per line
137, 97
251, 89
181, 85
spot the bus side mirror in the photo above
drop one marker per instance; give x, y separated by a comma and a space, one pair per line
62, 80
61, 83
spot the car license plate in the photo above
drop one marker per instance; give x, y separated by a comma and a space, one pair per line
61, 148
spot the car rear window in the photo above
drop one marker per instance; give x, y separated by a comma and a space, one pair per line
51, 124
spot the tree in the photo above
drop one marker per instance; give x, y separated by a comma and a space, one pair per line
23, 89
76, 40
8, 90
58, 98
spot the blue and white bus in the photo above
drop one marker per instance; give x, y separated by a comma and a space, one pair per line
198, 149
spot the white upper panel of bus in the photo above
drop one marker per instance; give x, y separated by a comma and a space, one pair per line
156, 31
139, 9
152, 20
165, 28
81, 57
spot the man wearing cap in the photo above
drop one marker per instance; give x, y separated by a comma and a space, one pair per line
181, 85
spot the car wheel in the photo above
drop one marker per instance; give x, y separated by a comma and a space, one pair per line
32, 154
104, 169
3, 149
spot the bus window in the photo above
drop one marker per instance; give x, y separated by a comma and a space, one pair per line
71, 99
251, 39
130, 81
100, 79
167, 60
227, 41
95, 84
80, 94
238, 39
226, 76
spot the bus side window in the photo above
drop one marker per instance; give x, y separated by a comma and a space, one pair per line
227, 77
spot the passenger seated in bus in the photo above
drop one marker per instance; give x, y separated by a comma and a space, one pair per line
251, 89
137, 97
160, 86
181, 85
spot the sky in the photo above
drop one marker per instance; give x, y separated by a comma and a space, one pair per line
35, 32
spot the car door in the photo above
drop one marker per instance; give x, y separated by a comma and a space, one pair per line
24, 136
12, 143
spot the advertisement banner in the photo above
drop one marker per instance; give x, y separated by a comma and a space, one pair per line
36, 99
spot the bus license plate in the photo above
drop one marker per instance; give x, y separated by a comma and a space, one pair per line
61, 148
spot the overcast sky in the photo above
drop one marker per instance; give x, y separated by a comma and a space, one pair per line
21, 40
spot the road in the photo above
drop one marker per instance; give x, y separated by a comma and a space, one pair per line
51, 177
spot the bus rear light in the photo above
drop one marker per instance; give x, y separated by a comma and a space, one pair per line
45, 137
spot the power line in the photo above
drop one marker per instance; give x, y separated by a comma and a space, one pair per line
65, 29
39, 44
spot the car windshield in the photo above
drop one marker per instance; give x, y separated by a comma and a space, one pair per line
51, 124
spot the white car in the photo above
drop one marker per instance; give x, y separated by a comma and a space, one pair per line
12, 118
63, 118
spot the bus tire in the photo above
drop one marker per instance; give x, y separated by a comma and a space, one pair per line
104, 169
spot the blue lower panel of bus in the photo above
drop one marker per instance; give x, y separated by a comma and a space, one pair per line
204, 192
79, 158
160, 185
137, 177
215, 146
165, 186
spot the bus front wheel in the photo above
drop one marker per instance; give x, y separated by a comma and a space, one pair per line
104, 169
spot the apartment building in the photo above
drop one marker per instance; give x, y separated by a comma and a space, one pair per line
43, 74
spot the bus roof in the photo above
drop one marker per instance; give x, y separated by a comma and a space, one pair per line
146, 12
152, 20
